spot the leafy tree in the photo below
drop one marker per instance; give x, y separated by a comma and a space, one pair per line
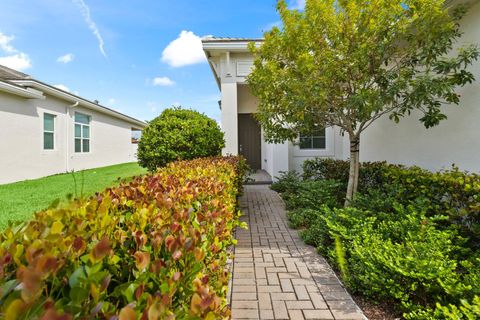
179, 134
347, 63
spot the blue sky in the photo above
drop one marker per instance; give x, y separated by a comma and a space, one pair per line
136, 56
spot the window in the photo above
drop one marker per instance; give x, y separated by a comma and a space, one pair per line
82, 133
48, 131
315, 140
136, 135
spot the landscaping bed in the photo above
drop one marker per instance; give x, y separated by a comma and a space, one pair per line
411, 238
154, 248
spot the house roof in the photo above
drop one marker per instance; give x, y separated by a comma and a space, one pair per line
10, 74
229, 39
216, 44
25, 83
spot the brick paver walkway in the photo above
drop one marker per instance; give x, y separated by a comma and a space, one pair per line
277, 276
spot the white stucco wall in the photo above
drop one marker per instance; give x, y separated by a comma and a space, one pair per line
21, 128
455, 141
110, 142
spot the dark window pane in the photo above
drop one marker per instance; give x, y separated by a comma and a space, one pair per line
48, 143
319, 143
48, 122
305, 142
86, 145
319, 132
78, 145
82, 118
86, 132
78, 131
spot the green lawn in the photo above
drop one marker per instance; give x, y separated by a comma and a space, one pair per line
18, 201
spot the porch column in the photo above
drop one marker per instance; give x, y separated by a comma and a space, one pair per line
280, 157
230, 118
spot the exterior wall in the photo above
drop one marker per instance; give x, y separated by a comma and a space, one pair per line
110, 142
21, 128
334, 143
454, 141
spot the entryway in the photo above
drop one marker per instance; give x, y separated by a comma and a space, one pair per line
249, 140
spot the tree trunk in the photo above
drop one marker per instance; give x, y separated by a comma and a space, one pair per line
354, 169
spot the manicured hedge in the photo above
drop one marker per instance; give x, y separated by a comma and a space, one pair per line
449, 192
410, 236
154, 248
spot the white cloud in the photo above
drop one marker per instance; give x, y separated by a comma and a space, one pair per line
185, 50
19, 61
111, 101
163, 82
85, 10
5, 43
15, 59
66, 58
62, 87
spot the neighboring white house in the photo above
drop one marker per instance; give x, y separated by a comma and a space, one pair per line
454, 141
45, 130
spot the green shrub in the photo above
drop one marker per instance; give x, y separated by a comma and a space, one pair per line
179, 134
155, 248
464, 311
311, 194
372, 174
287, 182
451, 192
401, 256
303, 218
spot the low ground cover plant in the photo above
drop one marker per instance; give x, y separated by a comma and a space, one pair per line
154, 248
410, 236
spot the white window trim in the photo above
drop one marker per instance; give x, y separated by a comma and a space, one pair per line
54, 132
81, 133
329, 150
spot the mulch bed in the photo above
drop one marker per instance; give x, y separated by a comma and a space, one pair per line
377, 311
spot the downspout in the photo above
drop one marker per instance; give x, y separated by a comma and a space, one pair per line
67, 141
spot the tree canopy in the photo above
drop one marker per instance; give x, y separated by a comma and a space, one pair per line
347, 63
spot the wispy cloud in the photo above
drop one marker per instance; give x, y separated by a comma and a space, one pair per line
85, 10
163, 82
66, 58
14, 59
185, 50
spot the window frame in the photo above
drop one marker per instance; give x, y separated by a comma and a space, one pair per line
312, 137
82, 138
54, 118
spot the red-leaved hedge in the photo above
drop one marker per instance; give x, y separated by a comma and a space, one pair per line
154, 248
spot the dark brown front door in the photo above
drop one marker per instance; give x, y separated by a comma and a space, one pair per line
249, 140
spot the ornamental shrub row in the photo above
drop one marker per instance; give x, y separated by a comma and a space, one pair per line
155, 248
450, 192
410, 237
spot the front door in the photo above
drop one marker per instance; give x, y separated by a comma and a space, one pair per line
249, 140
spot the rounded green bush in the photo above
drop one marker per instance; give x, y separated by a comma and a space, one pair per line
179, 134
